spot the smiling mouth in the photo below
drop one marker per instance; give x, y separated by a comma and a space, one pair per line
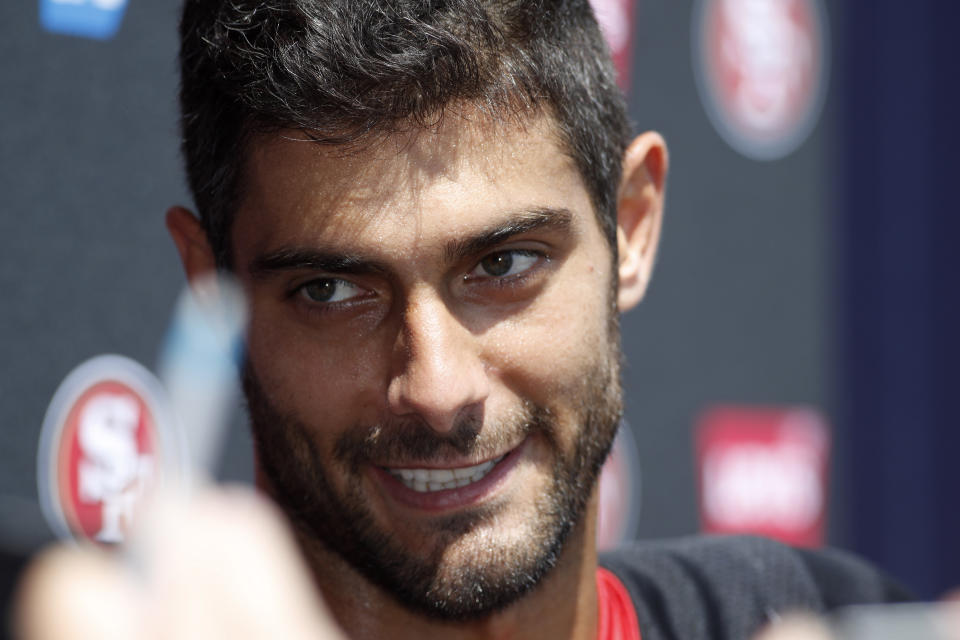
426, 480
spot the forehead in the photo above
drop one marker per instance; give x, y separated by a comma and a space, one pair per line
446, 179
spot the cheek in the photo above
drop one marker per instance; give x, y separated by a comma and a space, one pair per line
318, 378
544, 351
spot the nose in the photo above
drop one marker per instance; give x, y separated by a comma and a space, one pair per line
438, 372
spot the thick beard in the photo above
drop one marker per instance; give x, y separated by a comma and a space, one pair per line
492, 579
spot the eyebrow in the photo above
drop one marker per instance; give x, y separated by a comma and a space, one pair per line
311, 259
525, 221
303, 259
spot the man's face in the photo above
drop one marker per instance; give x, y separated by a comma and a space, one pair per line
433, 361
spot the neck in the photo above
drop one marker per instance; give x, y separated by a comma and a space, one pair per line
563, 605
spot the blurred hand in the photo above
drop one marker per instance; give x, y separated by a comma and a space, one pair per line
796, 628
919, 621
222, 565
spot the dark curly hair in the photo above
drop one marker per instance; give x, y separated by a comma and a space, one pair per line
347, 71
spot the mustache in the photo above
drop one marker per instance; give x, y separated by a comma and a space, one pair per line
404, 439
411, 439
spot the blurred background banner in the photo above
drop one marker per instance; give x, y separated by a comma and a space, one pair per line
763, 471
98, 19
824, 275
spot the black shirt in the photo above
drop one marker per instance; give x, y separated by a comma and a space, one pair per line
727, 588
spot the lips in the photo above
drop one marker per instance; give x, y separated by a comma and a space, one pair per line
426, 480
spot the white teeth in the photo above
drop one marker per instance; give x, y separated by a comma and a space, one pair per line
442, 475
438, 479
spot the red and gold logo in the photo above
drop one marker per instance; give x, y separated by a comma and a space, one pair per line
101, 449
761, 71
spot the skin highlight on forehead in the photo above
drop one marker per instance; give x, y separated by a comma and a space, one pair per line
317, 183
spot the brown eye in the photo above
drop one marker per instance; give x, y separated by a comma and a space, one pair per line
320, 290
505, 263
497, 264
329, 290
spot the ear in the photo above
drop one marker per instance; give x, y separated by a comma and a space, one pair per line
639, 212
191, 240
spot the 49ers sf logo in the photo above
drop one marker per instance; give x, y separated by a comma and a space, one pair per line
761, 71
100, 448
